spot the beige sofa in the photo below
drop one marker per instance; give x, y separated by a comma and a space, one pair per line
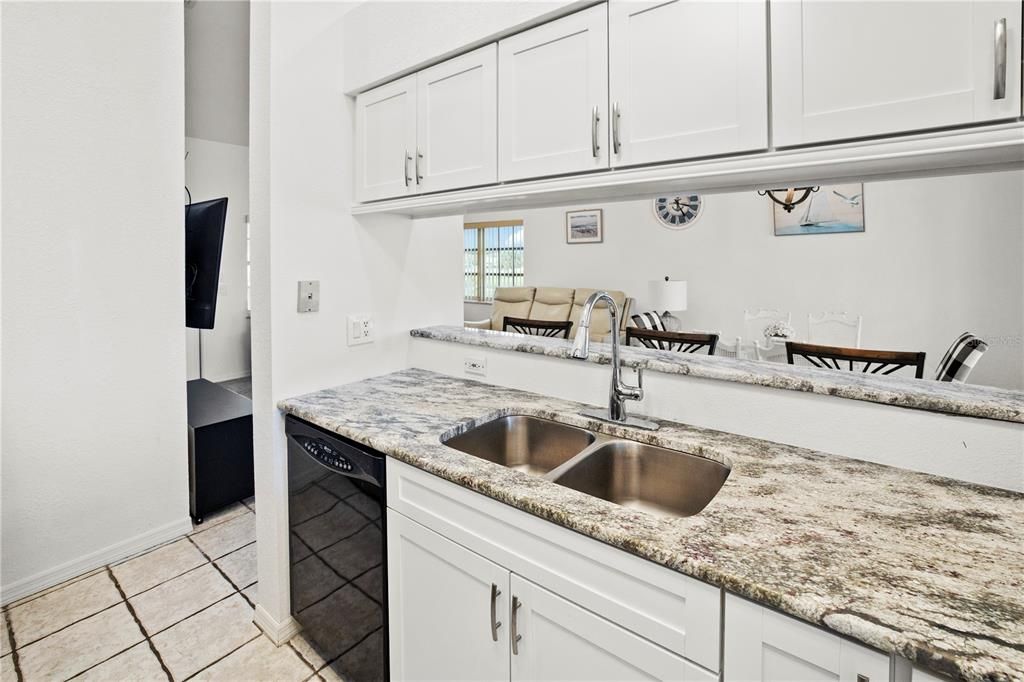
554, 303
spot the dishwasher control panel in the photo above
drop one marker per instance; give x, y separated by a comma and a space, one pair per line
325, 452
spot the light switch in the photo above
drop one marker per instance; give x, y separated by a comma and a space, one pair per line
309, 295
360, 329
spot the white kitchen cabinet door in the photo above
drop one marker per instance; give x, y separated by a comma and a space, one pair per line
764, 646
439, 605
845, 69
689, 78
386, 140
457, 122
553, 97
562, 641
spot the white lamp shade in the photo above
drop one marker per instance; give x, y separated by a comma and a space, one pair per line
668, 295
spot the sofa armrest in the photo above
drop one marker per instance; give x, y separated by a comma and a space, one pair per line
478, 324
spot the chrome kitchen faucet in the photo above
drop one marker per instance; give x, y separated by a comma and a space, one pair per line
618, 392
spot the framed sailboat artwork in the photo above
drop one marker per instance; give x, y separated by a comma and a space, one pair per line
832, 209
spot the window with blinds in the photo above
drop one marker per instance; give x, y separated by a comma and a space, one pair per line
493, 257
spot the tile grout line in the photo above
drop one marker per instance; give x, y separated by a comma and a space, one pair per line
142, 628
213, 663
351, 648
65, 627
18, 603
301, 657
14, 648
221, 571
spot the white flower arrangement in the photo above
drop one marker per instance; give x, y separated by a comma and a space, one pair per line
778, 330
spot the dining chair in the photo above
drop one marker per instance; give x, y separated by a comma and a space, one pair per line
755, 321
856, 359
682, 342
834, 329
550, 328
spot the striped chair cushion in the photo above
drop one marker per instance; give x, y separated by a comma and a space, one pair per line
653, 322
961, 358
648, 321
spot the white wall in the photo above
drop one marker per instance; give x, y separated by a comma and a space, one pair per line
405, 273
212, 170
94, 463
939, 256
217, 70
977, 450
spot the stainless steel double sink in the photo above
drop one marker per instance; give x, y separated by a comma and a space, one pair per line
632, 474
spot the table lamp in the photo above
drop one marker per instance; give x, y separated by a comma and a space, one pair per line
669, 295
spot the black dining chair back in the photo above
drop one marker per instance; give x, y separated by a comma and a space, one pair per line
551, 328
856, 359
681, 342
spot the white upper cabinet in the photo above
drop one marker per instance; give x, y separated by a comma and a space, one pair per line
448, 608
689, 78
457, 122
764, 646
559, 641
553, 97
386, 140
843, 69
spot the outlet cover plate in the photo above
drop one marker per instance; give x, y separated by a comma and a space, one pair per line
475, 365
360, 329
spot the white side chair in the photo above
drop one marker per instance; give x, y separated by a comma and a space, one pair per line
770, 350
729, 349
834, 329
754, 322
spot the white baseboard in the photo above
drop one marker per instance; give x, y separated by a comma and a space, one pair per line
108, 555
278, 632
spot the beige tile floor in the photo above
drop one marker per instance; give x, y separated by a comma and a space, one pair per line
180, 611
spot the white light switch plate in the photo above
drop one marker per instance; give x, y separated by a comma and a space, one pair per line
475, 365
360, 329
309, 295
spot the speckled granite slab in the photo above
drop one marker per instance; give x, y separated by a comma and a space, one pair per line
985, 402
927, 567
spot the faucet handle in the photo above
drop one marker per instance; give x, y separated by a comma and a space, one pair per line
640, 377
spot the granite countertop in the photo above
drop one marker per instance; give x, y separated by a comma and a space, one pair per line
968, 400
924, 566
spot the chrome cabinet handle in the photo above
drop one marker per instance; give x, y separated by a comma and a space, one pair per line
419, 177
515, 627
999, 87
594, 146
495, 623
405, 166
616, 115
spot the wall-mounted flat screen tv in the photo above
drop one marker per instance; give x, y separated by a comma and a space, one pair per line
204, 239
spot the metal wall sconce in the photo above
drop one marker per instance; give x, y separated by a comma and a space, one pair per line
791, 198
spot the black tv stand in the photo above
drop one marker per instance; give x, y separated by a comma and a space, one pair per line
220, 469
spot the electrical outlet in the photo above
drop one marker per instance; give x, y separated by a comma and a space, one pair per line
309, 295
475, 365
360, 329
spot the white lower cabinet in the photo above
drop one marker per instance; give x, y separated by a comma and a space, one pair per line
454, 616
561, 641
440, 607
764, 646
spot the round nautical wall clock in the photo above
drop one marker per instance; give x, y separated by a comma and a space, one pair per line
678, 211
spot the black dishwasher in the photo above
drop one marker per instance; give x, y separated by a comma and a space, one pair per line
338, 556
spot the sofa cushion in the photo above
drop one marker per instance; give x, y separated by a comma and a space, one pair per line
552, 303
600, 320
510, 302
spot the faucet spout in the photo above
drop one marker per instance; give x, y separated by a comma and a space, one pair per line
618, 392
